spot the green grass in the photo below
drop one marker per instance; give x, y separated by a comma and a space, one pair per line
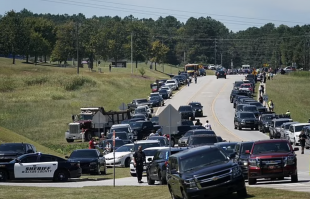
291, 92
37, 101
154, 192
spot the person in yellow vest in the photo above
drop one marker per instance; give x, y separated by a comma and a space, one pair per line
288, 113
271, 106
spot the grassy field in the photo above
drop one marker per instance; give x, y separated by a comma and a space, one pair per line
37, 101
291, 92
154, 192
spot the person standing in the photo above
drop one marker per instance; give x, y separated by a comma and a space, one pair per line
92, 144
198, 123
271, 106
99, 63
288, 113
261, 100
110, 66
208, 125
302, 140
195, 78
138, 160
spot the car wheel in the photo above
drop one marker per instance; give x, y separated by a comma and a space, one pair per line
252, 181
162, 180
239, 127
133, 174
61, 176
172, 142
270, 136
127, 162
70, 140
3, 176
242, 193
98, 172
307, 147
252, 129
149, 180
104, 172
294, 178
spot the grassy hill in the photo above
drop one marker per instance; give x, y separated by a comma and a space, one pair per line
37, 101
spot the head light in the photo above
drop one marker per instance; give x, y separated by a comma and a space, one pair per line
290, 160
190, 183
236, 171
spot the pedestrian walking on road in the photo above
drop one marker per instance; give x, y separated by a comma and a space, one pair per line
138, 160
302, 140
207, 125
195, 78
260, 99
188, 82
198, 123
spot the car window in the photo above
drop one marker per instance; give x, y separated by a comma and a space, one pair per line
246, 146
47, 158
271, 147
30, 159
185, 108
247, 115
237, 148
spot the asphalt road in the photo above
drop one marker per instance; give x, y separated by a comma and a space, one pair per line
214, 95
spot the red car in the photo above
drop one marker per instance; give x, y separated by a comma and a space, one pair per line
272, 159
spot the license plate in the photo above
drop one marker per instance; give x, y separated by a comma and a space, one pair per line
271, 167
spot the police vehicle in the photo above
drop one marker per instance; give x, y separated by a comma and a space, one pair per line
39, 166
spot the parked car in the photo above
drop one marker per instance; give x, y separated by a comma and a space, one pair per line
241, 158
122, 128
184, 139
220, 74
163, 140
164, 94
138, 102
202, 72
265, 121
237, 85
295, 130
245, 120
272, 159
201, 139
284, 130
156, 170
203, 172
181, 130
187, 112
251, 108
167, 89
10, 151
172, 82
91, 160
227, 147
157, 101
198, 108
121, 135
138, 117
51, 167
155, 120
237, 92
122, 156
105, 145
142, 129
144, 110
247, 87
154, 94
274, 127
237, 98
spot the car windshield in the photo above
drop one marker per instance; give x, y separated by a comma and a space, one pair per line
237, 84
170, 82
185, 108
203, 159
195, 105
299, 128
146, 145
142, 101
140, 110
164, 88
125, 129
154, 98
247, 115
136, 124
228, 148
122, 136
203, 140
187, 123
84, 154
249, 108
271, 147
19, 148
150, 152
279, 123
86, 116
246, 146
267, 118
154, 119
124, 148
162, 92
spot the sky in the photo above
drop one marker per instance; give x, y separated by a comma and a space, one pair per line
236, 15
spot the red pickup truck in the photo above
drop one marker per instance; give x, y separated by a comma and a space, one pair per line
272, 159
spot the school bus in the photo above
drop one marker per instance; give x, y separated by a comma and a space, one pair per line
192, 68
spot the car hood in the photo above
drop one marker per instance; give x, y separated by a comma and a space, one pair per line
271, 155
10, 153
117, 154
249, 119
83, 160
183, 139
208, 169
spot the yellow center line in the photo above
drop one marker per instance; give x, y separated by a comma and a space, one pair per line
214, 115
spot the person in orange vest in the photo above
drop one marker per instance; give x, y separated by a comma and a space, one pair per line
92, 143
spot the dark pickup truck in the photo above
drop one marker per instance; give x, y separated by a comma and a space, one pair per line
10, 151
265, 120
138, 102
142, 129
187, 112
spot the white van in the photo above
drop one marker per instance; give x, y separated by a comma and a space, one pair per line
295, 130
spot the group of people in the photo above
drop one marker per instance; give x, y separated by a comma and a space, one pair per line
207, 125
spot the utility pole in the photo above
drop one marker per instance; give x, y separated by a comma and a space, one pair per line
77, 47
131, 52
214, 51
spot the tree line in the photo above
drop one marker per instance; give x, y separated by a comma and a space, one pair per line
198, 40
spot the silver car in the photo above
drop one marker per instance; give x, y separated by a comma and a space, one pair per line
284, 130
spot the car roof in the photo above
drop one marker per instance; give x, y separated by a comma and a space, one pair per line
185, 106
225, 143
140, 121
282, 119
154, 148
247, 105
301, 124
128, 144
204, 135
246, 142
194, 103
146, 141
244, 112
191, 151
119, 125
270, 141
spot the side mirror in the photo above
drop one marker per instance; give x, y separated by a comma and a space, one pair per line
247, 152
66, 156
232, 156
174, 171
149, 159
296, 149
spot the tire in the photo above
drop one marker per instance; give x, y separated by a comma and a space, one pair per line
61, 176
162, 180
133, 175
242, 193
98, 172
3, 176
70, 140
270, 136
149, 181
172, 142
252, 129
252, 181
294, 178
127, 162
307, 147
281, 178
105, 170
235, 126
239, 127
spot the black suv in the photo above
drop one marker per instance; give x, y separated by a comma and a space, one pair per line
204, 172
220, 74
10, 151
156, 170
187, 112
252, 109
245, 120
184, 140
202, 139
237, 98
198, 108
241, 158
234, 93
181, 131
265, 121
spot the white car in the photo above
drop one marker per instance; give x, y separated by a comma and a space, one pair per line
145, 144
155, 94
122, 156
167, 89
295, 130
173, 83
144, 110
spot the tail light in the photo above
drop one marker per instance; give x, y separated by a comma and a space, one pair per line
166, 163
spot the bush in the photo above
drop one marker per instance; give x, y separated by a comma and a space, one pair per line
31, 81
7, 84
58, 97
74, 83
141, 71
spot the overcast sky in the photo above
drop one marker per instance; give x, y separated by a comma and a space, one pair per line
235, 14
